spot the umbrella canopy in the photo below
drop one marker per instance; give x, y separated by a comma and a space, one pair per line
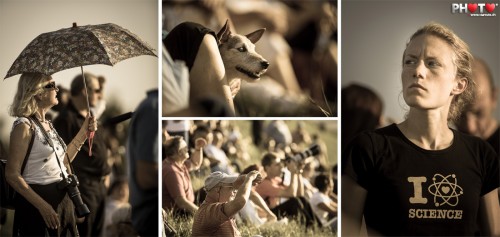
78, 46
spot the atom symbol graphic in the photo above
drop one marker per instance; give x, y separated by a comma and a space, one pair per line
445, 189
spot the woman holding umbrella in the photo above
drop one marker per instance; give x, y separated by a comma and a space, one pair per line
38, 160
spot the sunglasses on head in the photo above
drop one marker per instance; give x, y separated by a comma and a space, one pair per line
50, 85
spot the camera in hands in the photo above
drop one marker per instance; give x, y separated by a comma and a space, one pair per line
313, 150
70, 184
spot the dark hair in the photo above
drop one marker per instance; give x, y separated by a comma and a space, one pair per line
362, 107
322, 181
201, 128
77, 83
172, 146
268, 158
250, 168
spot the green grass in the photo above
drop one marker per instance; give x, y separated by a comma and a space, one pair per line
183, 227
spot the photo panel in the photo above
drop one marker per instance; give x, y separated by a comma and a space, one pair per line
250, 59
269, 176
61, 63
420, 135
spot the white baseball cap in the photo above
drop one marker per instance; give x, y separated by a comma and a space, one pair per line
218, 177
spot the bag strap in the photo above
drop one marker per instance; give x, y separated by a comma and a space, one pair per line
27, 156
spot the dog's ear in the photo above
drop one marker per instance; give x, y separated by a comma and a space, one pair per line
255, 36
224, 33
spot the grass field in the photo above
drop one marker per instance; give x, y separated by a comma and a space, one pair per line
183, 227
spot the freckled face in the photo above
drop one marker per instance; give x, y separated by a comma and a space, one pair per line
429, 74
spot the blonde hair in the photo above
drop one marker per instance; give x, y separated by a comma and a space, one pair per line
462, 60
29, 85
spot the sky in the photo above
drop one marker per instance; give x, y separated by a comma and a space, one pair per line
127, 82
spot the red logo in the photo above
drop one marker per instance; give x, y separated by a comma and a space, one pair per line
472, 7
490, 7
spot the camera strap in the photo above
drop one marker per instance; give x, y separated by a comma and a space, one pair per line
51, 144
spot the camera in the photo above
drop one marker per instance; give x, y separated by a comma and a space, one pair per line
70, 184
313, 150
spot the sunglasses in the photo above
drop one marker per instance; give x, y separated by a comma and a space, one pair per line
50, 85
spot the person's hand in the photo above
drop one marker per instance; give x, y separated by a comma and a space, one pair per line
90, 124
271, 217
200, 143
254, 177
49, 216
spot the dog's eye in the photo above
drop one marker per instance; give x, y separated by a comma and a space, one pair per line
242, 49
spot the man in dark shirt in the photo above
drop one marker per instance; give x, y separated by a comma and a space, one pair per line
91, 170
142, 155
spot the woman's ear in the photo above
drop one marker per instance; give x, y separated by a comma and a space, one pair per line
460, 86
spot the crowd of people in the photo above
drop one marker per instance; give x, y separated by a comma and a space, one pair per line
70, 182
269, 188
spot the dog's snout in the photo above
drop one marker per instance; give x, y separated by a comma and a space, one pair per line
265, 64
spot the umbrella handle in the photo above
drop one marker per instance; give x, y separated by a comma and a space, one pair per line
90, 135
85, 85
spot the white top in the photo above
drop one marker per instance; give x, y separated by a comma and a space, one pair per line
249, 214
42, 167
316, 199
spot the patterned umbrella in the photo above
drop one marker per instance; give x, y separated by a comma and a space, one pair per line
79, 46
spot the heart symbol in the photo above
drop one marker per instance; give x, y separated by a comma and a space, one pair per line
490, 7
472, 7
445, 189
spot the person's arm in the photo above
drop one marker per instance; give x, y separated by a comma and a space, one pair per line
353, 203
293, 190
489, 214
185, 204
300, 184
19, 140
327, 207
197, 157
257, 200
242, 195
90, 124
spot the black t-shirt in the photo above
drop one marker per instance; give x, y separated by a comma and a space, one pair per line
413, 191
494, 140
184, 41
